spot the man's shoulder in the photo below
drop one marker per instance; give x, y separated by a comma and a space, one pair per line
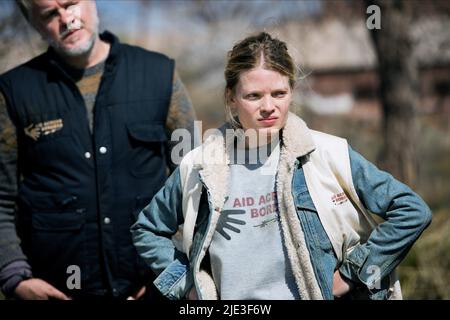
24, 70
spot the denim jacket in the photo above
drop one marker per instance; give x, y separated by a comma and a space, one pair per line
368, 266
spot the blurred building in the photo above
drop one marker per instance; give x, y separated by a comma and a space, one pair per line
328, 39
339, 60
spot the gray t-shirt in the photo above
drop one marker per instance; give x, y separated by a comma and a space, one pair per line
248, 258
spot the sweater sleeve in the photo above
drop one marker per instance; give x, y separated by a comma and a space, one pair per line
12, 274
181, 116
9, 242
13, 265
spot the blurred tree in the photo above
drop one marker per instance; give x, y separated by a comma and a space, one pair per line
399, 88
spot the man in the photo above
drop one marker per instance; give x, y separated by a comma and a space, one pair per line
84, 146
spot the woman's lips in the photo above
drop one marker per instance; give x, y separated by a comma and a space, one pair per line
268, 121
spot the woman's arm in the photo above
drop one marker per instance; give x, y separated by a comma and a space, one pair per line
406, 216
152, 234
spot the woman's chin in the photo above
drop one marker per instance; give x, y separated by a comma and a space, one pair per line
269, 130
268, 134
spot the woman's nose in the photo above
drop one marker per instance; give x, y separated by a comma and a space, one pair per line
267, 105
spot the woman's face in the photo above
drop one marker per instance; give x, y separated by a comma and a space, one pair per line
261, 100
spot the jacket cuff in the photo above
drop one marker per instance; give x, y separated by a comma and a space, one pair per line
175, 281
353, 267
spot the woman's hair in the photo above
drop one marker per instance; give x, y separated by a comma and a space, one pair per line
247, 54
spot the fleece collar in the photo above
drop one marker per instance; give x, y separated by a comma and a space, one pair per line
296, 141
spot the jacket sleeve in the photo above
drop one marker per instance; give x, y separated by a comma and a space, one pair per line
405, 217
152, 234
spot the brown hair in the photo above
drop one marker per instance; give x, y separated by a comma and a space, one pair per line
247, 54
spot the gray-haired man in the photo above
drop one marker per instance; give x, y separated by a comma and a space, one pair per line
84, 146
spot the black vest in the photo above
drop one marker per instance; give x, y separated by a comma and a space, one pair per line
79, 192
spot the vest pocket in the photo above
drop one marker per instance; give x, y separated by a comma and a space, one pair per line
55, 222
147, 142
57, 242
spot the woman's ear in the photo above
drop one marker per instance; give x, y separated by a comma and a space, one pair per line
230, 97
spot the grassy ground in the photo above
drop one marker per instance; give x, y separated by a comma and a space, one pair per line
425, 273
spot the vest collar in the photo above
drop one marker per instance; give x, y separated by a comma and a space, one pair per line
55, 60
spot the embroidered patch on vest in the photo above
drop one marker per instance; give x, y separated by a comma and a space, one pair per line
35, 131
339, 198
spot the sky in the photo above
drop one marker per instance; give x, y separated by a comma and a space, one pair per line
127, 15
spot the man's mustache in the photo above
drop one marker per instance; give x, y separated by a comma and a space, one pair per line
70, 27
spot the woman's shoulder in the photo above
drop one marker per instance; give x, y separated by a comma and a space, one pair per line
329, 146
326, 140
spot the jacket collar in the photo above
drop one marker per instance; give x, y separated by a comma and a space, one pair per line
296, 139
214, 157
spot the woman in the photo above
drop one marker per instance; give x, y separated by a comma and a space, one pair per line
276, 210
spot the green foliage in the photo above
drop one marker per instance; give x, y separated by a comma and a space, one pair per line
425, 274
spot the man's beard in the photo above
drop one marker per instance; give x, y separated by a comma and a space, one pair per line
80, 50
